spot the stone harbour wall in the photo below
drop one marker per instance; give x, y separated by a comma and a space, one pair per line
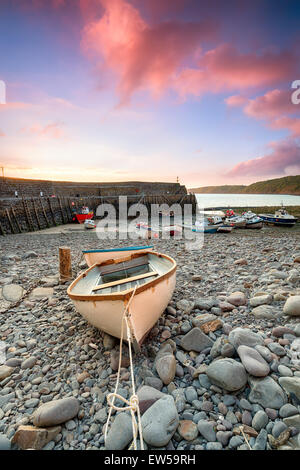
33, 188
30, 214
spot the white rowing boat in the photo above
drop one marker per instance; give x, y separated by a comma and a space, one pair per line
102, 292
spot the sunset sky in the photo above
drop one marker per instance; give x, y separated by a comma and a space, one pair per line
116, 90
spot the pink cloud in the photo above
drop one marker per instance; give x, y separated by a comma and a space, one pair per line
2, 134
236, 101
143, 56
225, 68
289, 123
155, 56
271, 105
283, 159
275, 107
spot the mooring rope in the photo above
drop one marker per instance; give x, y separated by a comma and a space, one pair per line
133, 402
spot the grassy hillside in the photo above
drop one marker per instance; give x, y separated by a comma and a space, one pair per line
226, 189
285, 185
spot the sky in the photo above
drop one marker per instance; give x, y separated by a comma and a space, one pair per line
150, 90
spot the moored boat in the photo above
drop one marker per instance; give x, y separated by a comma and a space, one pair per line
255, 223
281, 218
102, 293
89, 224
202, 226
99, 256
206, 229
252, 220
83, 214
235, 221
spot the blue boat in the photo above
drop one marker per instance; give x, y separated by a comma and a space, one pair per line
204, 227
281, 218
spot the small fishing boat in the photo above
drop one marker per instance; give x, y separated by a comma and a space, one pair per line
83, 214
281, 218
99, 256
89, 224
206, 229
215, 219
235, 221
202, 227
102, 292
252, 220
254, 223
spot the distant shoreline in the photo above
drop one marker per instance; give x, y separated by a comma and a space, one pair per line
286, 186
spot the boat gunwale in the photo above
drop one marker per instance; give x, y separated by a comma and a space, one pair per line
127, 248
118, 295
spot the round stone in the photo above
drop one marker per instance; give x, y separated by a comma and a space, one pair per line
292, 306
166, 368
227, 374
253, 361
188, 430
160, 422
12, 292
56, 412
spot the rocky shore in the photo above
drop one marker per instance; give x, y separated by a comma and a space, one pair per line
220, 370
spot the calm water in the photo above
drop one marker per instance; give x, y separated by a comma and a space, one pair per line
246, 200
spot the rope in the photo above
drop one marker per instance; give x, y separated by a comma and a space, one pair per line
133, 402
246, 440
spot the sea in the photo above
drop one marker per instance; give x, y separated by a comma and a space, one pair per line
245, 200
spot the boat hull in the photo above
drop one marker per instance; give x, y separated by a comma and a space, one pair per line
99, 256
105, 312
241, 224
80, 218
255, 225
225, 229
205, 230
278, 221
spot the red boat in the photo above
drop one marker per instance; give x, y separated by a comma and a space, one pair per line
82, 215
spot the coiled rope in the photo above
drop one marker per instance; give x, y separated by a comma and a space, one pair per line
133, 402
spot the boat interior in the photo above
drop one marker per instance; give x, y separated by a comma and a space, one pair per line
122, 276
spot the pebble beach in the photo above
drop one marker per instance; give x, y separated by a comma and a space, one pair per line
219, 371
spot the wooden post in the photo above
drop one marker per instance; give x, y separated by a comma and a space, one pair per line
65, 265
45, 215
36, 214
51, 210
61, 211
10, 222
28, 216
16, 219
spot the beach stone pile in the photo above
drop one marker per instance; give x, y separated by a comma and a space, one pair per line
220, 369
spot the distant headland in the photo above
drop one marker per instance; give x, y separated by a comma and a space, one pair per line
285, 185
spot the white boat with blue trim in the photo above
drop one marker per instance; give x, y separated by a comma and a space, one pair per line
143, 282
281, 218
